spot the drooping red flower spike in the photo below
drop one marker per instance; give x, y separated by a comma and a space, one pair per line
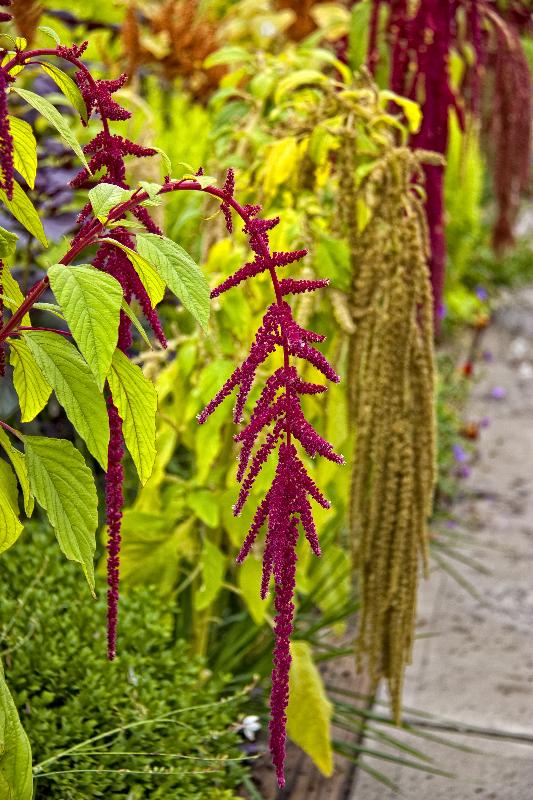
276, 422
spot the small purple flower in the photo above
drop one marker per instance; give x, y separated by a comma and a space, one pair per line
484, 422
498, 393
460, 455
482, 294
463, 471
488, 356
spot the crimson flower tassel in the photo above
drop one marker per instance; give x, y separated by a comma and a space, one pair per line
275, 424
107, 153
6, 140
114, 503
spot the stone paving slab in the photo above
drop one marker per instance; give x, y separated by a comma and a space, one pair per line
474, 662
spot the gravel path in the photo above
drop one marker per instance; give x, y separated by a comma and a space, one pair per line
474, 664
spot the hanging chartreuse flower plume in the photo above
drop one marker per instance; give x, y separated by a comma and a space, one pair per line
391, 375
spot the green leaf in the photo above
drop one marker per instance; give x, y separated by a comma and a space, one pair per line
76, 390
25, 212
24, 149
10, 525
52, 115
91, 302
64, 486
203, 180
302, 77
206, 507
68, 87
136, 400
151, 189
165, 160
182, 275
13, 297
309, 711
151, 550
8, 243
412, 111
149, 276
31, 386
227, 55
16, 776
21, 469
135, 322
249, 581
213, 564
50, 32
106, 196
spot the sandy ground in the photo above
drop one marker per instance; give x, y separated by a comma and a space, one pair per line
473, 664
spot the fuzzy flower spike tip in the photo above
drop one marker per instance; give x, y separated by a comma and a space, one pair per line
274, 428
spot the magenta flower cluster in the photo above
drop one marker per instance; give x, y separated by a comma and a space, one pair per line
275, 423
107, 153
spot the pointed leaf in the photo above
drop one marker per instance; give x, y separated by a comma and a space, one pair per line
10, 525
14, 297
16, 777
149, 276
182, 275
52, 115
30, 384
90, 301
136, 400
309, 710
106, 196
68, 87
24, 149
25, 212
213, 564
152, 550
64, 486
8, 243
50, 32
19, 463
76, 389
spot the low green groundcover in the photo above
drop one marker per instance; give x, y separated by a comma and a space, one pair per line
52, 641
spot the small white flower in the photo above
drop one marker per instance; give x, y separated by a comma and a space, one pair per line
250, 725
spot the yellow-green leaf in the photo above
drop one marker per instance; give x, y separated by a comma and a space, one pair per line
64, 486
8, 243
309, 711
52, 115
249, 581
179, 271
13, 298
24, 149
75, 387
68, 87
10, 525
25, 212
105, 196
148, 274
301, 77
19, 464
136, 400
30, 384
412, 111
151, 550
90, 301
16, 776
213, 564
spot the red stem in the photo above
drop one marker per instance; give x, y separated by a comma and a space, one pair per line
96, 227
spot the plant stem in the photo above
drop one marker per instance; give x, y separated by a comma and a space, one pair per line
11, 430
